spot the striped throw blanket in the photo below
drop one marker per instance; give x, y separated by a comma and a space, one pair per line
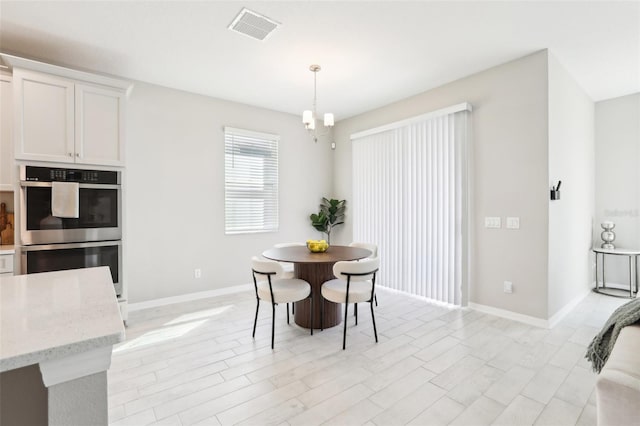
602, 344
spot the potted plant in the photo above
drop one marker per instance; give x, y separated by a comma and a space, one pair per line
331, 214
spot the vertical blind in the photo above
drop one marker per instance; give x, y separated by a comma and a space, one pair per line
251, 181
409, 195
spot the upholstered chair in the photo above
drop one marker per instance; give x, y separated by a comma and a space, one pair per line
271, 286
355, 282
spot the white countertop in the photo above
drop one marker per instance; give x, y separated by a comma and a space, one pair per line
7, 249
55, 314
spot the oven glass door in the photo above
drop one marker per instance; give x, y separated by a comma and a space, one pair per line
59, 257
99, 215
98, 209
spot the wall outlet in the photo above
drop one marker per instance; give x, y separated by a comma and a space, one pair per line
197, 273
513, 223
492, 222
508, 287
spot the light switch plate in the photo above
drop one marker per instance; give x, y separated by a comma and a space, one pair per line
513, 223
492, 222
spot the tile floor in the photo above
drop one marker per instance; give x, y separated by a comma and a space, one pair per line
195, 363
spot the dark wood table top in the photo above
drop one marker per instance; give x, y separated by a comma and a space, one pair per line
301, 254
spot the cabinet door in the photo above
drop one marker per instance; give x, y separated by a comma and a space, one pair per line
6, 263
44, 115
6, 134
99, 126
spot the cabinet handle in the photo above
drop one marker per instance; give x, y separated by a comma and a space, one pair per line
70, 154
78, 154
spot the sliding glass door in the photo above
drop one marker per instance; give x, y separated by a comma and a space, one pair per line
411, 198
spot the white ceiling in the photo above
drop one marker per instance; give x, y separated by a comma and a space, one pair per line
371, 53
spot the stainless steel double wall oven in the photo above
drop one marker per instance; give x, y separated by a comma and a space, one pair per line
50, 243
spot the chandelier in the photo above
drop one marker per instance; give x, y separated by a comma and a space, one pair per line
309, 117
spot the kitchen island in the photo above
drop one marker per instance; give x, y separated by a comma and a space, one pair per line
63, 324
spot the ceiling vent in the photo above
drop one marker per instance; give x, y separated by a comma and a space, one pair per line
253, 24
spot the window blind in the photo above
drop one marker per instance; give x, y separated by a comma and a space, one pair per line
410, 198
251, 181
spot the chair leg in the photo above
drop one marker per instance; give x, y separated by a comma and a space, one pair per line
355, 308
287, 313
255, 321
375, 296
344, 334
293, 308
373, 318
311, 314
273, 323
322, 315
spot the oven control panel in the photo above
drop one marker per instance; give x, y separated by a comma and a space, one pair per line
50, 174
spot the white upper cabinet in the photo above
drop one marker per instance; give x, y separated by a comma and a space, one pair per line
65, 121
99, 125
44, 117
6, 134
66, 116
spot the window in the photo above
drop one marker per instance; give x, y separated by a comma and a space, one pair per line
251, 181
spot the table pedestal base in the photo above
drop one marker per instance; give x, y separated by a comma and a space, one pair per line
316, 274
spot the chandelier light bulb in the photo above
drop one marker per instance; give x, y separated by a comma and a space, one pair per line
307, 117
328, 119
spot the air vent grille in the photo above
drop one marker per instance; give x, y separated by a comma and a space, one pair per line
253, 24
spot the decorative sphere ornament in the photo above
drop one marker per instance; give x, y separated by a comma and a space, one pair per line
608, 236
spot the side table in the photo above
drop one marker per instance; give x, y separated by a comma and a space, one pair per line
632, 254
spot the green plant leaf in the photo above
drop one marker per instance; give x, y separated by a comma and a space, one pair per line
331, 213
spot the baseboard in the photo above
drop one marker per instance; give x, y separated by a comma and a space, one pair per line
566, 309
527, 319
422, 298
503, 313
188, 297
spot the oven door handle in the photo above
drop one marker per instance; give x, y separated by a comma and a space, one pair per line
34, 184
64, 246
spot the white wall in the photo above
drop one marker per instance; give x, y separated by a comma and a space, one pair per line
617, 123
174, 199
571, 160
510, 175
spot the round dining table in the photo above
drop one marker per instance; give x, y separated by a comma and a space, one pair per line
316, 268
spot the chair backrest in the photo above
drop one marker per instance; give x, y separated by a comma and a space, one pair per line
367, 267
371, 247
280, 245
263, 267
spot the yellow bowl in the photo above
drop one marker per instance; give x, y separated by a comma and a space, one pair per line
317, 247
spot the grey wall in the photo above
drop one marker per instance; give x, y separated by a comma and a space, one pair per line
571, 159
509, 177
618, 177
174, 199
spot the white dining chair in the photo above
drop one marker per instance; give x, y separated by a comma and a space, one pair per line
373, 248
355, 282
288, 267
280, 245
272, 287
